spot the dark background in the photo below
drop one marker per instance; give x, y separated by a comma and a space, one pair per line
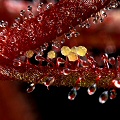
53, 104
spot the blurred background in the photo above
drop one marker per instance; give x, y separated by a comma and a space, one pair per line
43, 104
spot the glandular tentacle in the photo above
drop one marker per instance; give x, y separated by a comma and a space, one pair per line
34, 54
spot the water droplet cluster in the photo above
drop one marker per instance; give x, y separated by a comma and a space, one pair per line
29, 31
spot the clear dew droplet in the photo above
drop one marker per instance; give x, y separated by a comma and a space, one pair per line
40, 6
46, 45
49, 5
95, 21
72, 94
4, 38
13, 40
66, 71
87, 25
76, 34
39, 18
84, 63
116, 83
101, 20
112, 60
31, 88
104, 14
60, 61
79, 20
49, 81
17, 62
17, 20
68, 35
29, 8
118, 61
113, 94
59, 30
114, 5
3, 23
31, 15
62, 41
39, 57
94, 7
56, 46
22, 12
103, 97
102, 2
92, 89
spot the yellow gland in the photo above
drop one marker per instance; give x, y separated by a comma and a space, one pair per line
81, 50
72, 56
29, 53
51, 54
65, 50
73, 49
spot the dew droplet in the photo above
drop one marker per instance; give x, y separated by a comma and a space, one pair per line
60, 61
39, 53
4, 24
72, 94
59, 30
112, 60
79, 20
104, 14
31, 15
87, 25
116, 83
94, 7
49, 81
17, 62
76, 34
103, 97
101, 20
114, 5
56, 45
84, 63
66, 71
17, 20
15, 49
102, 2
46, 45
13, 40
68, 35
62, 41
49, 5
118, 61
39, 6
31, 88
92, 89
22, 12
91, 59
113, 94
95, 21
39, 58
39, 18
29, 8
4, 38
